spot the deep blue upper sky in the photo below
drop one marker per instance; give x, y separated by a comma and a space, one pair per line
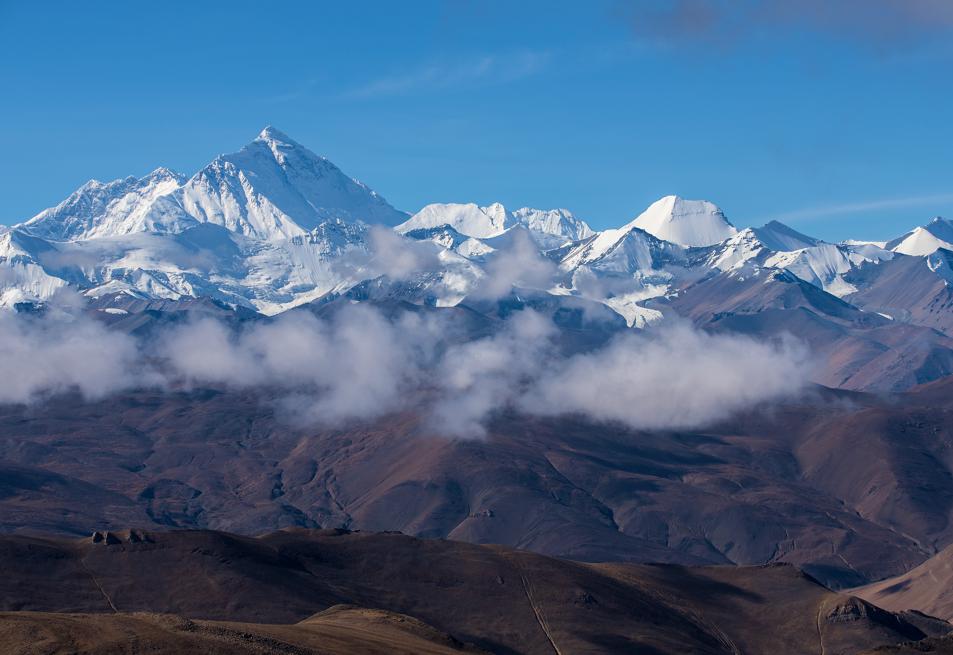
836, 121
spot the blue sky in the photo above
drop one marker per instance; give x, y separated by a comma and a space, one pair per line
837, 121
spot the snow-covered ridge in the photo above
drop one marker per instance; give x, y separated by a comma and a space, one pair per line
120, 207
558, 222
492, 221
469, 219
781, 238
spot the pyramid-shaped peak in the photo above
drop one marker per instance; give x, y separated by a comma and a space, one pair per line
283, 148
781, 238
294, 191
271, 133
692, 223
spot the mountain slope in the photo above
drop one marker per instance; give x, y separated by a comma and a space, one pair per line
756, 488
504, 600
908, 288
339, 630
927, 588
855, 349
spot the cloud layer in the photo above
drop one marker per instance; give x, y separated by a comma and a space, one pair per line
363, 364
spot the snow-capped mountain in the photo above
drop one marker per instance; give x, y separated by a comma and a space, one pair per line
780, 238
777, 246
120, 207
470, 219
269, 227
274, 225
692, 223
925, 240
550, 229
557, 222
273, 188
263, 228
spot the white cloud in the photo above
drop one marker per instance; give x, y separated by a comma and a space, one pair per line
675, 377
362, 364
397, 257
517, 263
58, 352
481, 377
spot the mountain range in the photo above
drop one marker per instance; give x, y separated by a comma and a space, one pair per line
274, 226
220, 356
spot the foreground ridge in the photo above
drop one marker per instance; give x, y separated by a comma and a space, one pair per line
297, 580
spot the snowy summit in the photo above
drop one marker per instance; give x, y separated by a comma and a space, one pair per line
691, 223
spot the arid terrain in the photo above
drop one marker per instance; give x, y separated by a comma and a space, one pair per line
342, 629
275, 593
852, 487
929, 587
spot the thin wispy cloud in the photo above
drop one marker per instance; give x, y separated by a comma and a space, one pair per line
878, 24
485, 70
824, 211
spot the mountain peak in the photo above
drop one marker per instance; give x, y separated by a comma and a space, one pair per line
923, 241
781, 238
271, 133
163, 174
469, 219
294, 191
692, 223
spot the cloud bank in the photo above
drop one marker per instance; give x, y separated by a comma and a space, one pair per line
42, 356
362, 364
